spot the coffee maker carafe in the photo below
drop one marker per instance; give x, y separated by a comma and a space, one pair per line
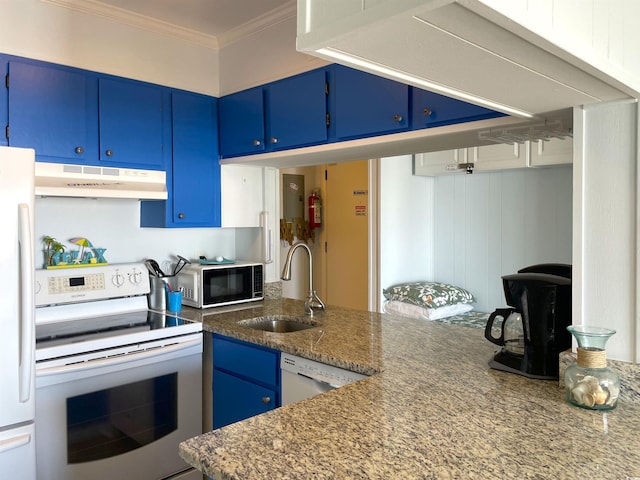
533, 332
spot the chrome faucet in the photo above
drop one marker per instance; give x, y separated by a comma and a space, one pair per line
312, 301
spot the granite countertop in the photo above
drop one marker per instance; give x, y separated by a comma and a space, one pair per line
432, 409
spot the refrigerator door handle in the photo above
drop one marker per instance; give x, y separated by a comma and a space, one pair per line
27, 362
15, 442
266, 238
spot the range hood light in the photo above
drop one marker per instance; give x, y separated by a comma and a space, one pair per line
412, 79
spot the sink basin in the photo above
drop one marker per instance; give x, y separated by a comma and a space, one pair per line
279, 323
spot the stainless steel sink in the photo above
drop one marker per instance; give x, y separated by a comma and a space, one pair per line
279, 323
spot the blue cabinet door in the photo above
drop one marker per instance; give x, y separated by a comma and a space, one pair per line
48, 111
196, 166
193, 174
4, 104
241, 117
235, 399
367, 105
246, 380
430, 109
131, 122
297, 111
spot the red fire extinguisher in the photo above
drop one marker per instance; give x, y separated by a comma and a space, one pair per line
314, 209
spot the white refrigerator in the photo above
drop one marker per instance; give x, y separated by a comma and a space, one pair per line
17, 324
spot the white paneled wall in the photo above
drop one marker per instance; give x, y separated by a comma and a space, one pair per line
405, 223
492, 224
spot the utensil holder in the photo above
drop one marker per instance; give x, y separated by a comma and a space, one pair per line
157, 298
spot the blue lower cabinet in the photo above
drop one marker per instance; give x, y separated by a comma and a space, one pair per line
430, 109
246, 380
235, 399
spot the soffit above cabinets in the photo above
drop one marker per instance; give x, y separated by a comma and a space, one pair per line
455, 48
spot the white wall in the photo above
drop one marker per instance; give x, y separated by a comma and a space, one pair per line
606, 225
35, 29
406, 223
114, 224
492, 224
263, 57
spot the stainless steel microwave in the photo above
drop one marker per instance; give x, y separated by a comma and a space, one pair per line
207, 286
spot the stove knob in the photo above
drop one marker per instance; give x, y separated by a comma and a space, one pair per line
118, 279
135, 277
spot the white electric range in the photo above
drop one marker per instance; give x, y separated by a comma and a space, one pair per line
118, 386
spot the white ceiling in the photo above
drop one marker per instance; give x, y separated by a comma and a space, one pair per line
211, 22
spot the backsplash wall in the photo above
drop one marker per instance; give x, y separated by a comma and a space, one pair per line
114, 224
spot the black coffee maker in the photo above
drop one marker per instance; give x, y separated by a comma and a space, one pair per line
534, 331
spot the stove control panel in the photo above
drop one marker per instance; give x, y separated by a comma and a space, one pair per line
79, 284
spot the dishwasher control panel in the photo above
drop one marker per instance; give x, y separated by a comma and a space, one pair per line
333, 376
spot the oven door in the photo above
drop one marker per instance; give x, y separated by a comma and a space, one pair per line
119, 417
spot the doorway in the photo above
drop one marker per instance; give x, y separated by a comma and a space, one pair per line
345, 235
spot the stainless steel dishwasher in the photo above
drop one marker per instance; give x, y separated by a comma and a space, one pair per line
303, 378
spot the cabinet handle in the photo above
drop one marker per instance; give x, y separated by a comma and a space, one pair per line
257, 143
397, 118
274, 140
109, 153
79, 150
266, 400
181, 216
427, 111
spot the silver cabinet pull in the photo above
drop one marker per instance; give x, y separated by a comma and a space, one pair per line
79, 150
181, 215
274, 140
397, 118
109, 153
427, 111
256, 143
266, 400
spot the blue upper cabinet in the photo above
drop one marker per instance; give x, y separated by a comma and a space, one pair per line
193, 174
367, 105
241, 118
48, 111
433, 110
4, 103
131, 123
196, 168
297, 110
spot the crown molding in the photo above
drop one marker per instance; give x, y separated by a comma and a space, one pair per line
127, 17
258, 24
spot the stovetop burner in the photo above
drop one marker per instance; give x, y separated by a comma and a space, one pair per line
90, 329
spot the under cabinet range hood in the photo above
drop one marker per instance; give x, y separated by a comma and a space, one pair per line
467, 49
62, 180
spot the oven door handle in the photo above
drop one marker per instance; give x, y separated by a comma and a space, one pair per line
117, 360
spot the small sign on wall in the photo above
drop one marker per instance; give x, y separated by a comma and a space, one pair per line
360, 198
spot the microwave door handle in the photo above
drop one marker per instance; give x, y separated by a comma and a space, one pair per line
26, 262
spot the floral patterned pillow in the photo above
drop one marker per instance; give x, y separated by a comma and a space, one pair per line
428, 294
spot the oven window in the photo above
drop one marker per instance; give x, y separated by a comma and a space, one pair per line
117, 420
